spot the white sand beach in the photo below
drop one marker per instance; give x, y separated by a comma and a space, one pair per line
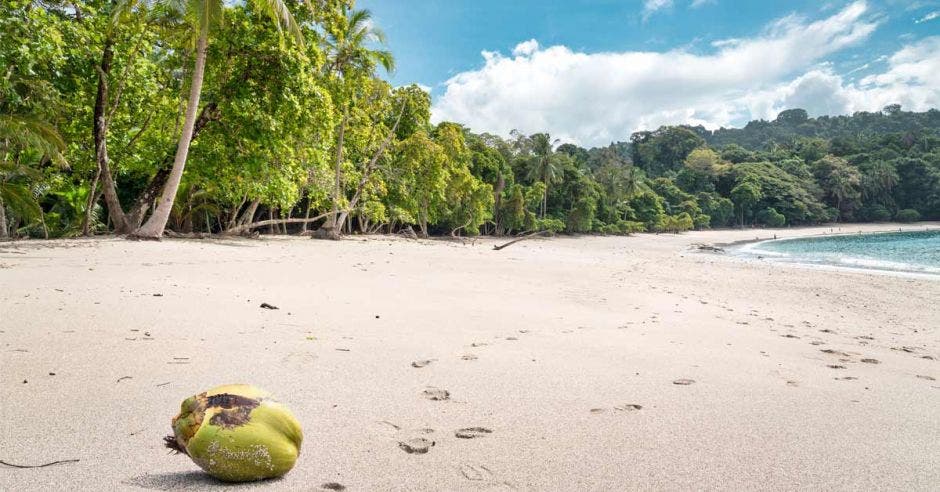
567, 349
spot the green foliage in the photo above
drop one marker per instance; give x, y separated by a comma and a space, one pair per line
907, 215
770, 218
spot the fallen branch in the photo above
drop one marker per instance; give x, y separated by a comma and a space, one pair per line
247, 227
38, 466
523, 238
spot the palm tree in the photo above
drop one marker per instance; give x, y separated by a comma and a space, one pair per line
543, 165
349, 55
205, 16
24, 133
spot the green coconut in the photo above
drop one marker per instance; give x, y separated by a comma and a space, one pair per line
237, 433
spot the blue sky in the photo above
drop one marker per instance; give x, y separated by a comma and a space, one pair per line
599, 69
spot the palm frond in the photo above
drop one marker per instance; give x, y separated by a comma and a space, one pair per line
19, 199
30, 133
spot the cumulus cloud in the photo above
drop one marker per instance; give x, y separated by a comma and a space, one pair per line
596, 98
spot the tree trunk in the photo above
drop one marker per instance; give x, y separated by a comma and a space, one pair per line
544, 200
90, 204
303, 229
154, 226
136, 216
100, 135
4, 233
249, 214
332, 222
424, 219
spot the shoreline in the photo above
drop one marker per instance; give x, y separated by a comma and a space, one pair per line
750, 251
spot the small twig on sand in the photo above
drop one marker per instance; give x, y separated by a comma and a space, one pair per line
523, 238
38, 466
122, 378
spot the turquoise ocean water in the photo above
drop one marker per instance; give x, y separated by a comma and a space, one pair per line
917, 252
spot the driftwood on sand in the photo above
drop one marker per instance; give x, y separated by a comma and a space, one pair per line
523, 238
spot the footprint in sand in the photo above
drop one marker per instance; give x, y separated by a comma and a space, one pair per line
598, 410
928, 378
417, 445
846, 378
479, 344
871, 361
421, 363
333, 486
472, 432
684, 382
436, 394
835, 366
468, 357
477, 473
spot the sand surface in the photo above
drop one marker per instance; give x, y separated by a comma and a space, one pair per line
547, 344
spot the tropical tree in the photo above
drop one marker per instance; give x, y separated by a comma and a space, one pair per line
203, 17
542, 164
350, 58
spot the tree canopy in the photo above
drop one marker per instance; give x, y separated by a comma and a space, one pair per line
291, 126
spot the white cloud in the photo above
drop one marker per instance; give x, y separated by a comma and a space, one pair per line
929, 17
593, 99
650, 7
526, 48
701, 3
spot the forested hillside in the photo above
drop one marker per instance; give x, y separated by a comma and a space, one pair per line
136, 117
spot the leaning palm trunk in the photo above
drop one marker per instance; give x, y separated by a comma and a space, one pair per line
154, 226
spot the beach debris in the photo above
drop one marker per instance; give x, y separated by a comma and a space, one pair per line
436, 394
598, 410
418, 364
265, 305
523, 238
835, 366
417, 445
408, 232
928, 378
122, 378
472, 432
846, 378
468, 357
871, 361
684, 382
237, 433
629, 407
710, 248
51, 463
333, 486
